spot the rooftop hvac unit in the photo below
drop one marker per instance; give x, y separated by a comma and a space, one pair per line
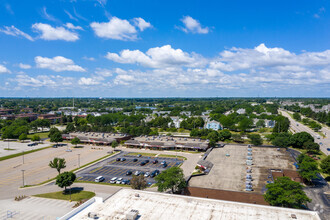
249, 162
92, 215
249, 154
249, 146
249, 157
250, 149
249, 170
132, 215
248, 182
248, 176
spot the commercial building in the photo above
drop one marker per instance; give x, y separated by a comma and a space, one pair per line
144, 205
96, 137
168, 143
214, 125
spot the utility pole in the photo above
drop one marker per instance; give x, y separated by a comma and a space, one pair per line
79, 160
23, 177
23, 156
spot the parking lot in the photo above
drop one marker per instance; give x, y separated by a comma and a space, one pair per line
12, 147
113, 167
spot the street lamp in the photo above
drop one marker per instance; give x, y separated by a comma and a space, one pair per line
23, 177
23, 156
79, 160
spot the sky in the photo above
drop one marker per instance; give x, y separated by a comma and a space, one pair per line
155, 48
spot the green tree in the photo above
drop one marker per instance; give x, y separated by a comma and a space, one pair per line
308, 168
260, 123
296, 116
298, 139
75, 141
237, 138
35, 138
225, 135
22, 137
139, 182
114, 144
65, 179
52, 131
245, 124
56, 137
286, 193
325, 165
282, 124
171, 178
281, 141
58, 164
255, 139
69, 128
311, 147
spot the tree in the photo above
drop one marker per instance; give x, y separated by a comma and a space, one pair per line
298, 139
56, 137
260, 123
245, 123
52, 131
325, 165
58, 164
255, 139
281, 141
286, 193
296, 116
69, 128
35, 138
237, 138
65, 179
22, 137
308, 168
311, 147
139, 182
171, 178
114, 144
225, 135
282, 124
75, 141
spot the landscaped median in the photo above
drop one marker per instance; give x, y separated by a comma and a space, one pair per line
172, 156
76, 195
21, 153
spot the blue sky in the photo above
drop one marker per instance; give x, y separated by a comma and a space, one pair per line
121, 48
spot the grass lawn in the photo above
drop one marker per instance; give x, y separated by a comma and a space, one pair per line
143, 154
172, 156
20, 154
41, 135
76, 195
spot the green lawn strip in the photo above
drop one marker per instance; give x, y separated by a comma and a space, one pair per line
44, 182
172, 156
21, 153
76, 195
41, 135
143, 154
103, 183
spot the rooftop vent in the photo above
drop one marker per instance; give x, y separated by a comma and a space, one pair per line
132, 215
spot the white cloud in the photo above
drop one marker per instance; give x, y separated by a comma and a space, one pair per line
71, 26
104, 72
57, 64
193, 26
89, 58
8, 8
141, 24
48, 16
54, 33
24, 66
4, 69
13, 31
50, 81
70, 15
84, 81
119, 29
157, 57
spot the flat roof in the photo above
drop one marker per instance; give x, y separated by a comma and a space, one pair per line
154, 205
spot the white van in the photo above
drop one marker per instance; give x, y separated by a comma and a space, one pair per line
113, 180
99, 179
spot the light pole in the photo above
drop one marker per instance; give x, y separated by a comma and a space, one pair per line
8, 144
23, 156
23, 177
79, 160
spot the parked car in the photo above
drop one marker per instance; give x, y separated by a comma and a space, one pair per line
142, 163
123, 159
127, 182
155, 161
139, 155
164, 165
147, 174
154, 173
118, 159
163, 162
146, 161
99, 179
135, 160
328, 149
113, 180
128, 173
136, 173
119, 180
32, 144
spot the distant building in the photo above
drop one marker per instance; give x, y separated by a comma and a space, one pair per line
52, 118
186, 113
159, 113
176, 121
214, 125
241, 111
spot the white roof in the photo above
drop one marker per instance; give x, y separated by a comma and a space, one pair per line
154, 205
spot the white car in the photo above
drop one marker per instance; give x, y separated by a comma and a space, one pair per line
136, 173
119, 180
113, 180
147, 174
99, 179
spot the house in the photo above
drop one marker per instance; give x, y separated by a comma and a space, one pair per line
214, 125
159, 113
269, 123
241, 111
176, 121
186, 113
206, 112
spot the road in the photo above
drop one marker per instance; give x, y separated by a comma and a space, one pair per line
296, 126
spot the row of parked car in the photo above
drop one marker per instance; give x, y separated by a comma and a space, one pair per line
144, 162
32, 144
141, 173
